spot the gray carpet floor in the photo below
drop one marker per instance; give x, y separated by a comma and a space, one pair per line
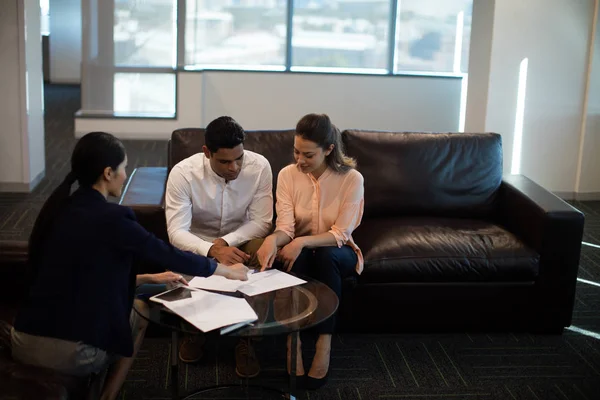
459, 365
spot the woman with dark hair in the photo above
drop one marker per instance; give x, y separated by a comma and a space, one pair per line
320, 202
78, 318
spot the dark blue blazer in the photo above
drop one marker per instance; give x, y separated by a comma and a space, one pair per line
84, 287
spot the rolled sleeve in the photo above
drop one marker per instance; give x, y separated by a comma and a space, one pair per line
284, 205
178, 212
351, 212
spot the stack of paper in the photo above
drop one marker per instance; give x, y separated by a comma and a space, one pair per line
208, 311
257, 283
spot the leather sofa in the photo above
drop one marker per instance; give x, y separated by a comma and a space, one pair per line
449, 242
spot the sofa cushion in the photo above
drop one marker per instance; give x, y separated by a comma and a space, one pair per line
441, 174
442, 250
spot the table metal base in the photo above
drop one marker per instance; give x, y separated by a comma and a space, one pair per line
244, 389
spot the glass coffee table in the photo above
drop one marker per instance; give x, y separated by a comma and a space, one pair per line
284, 311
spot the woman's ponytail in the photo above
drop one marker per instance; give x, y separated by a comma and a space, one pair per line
43, 222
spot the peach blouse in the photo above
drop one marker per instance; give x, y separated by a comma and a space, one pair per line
333, 203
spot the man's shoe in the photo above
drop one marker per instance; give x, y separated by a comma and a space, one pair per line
190, 350
246, 363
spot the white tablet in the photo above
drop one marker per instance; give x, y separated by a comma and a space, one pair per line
180, 293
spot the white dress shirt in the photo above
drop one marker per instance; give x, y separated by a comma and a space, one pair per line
201, 206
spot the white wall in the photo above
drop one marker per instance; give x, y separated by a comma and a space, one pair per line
33, 85
22, 159
480, 55
65, 41
277, 101
589, 178
554, 36
11, 169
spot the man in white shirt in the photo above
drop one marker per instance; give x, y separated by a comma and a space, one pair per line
219, 203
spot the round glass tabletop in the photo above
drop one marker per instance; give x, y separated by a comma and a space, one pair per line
281, 311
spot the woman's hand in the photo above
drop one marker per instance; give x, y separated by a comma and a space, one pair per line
167, 277
289, 253
238, 272
266, 253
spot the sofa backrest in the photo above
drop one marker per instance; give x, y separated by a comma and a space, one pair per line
452, 174
276, 146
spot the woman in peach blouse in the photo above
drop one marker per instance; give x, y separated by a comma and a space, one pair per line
320, 202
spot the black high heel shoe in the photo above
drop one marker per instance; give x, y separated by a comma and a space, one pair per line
316, 383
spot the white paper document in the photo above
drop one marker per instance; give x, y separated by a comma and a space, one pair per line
257, 283
208, 311
268, 281
215, 282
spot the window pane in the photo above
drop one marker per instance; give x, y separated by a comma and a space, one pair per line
45, 17
427, 32
144, 33
223, 32
144, 94
344, 34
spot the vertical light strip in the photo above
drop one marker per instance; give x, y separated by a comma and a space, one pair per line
586, 97
462, 113
393, 35
520, 114
288, 35
179, 24
458, 42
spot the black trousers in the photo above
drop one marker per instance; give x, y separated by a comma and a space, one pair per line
329, 265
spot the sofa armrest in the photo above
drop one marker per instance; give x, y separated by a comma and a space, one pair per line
145, 194
550, 226
14, 268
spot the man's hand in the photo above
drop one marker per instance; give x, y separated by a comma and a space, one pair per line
223, 253
237, 272
289, 253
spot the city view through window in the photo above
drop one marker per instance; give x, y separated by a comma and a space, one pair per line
152, 37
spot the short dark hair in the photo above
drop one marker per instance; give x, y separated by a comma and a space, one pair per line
223, 133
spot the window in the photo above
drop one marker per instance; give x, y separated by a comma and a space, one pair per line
45, 21
144, 33
237, 32
433, 36
144, 94
341, 34
132, 47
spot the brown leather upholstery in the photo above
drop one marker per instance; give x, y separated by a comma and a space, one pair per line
426, 173
443, 250
447, 241
13, 267
184, 143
